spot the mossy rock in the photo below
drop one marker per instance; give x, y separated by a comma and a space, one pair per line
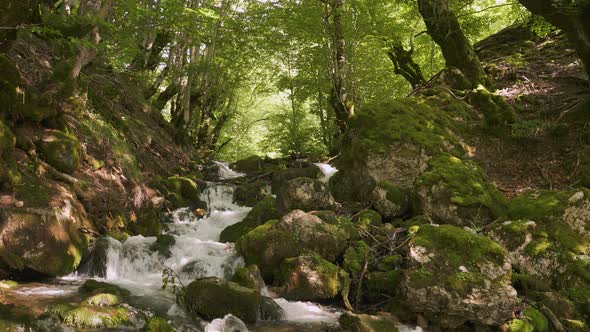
350, 322
61, 150
536, 319
551, 239
88, 316
355, 257
294, 234
280, 178
495, 109
179, 192
148, 222
158, 324
7, 141
311, 278
459, 193
382, 284
212, 298
368, 220
251, 164
304, 194
264, 211
8, 284
249, 277
94, 287
103, 299
249, 194
520, 325
457, 276
9, 82
389, 200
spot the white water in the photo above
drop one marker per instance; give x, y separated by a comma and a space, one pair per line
328, 171
225, 172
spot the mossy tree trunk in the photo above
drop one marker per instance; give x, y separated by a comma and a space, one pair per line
404, 64
444, 28
572, 18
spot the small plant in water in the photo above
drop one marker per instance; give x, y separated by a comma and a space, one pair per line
171, 280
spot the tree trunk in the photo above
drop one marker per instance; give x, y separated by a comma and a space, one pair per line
443, 26
574, 21
339, 99
404, 64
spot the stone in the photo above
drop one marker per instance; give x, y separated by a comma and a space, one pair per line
249, 277
280, 178
304, 194
60, 150
264, 211
350, 322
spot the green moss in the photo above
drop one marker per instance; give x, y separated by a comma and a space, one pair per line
464, 282
8, 284
421, 278
466, 182
367, 219
390, 262
458, 246
148, 222
7, 141
536, 319
103, 300
575, 325
249, 277
495, 109
158, 324
87, 316
538, 206
96, 287
520, 325
264, 211
355, 257
350, 322
383, 283
525, 283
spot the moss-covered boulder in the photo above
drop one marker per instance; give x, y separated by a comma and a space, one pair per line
147, 222
93, 287
304, 194
264, 211
390, 200
457, 192
455, 276
294, 234
350, 322
280, 178
393, 141
60, 150
212, 298
251, 164
249, 277
250, 194
495, 109
179, 192
548, 238
90, 316
103, 299
158, 324
52, 241
311, 278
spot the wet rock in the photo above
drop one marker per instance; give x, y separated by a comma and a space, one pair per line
94, 287
249, 277
51, 241
304, 194
350, 322
251, 164
456, 276
89, 316
264, 211
180, 192
280, 178
295, 233
458, 192
147, 222
229, 323
102, 300
212, 298
60, 150
311, 278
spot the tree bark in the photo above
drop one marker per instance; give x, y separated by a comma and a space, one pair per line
444, 28
404, 64
339, 99
574, 21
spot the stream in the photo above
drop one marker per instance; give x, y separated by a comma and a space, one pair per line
135, 265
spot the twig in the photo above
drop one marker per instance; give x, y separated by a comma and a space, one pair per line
545, 176
554, 321
357, 299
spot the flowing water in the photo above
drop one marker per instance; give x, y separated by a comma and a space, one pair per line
137, 265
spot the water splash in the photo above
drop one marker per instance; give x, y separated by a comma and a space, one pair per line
225, 172
328, 171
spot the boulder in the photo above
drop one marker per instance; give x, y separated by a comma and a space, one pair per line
294, 234
264, 211
280, 178
51, 241
250, 194
457, 192
249, 277
389, 200
147, 222
304, 194
60, 150
180, 192
548, 237
251, 164
350, 322
93, 287
311, 278
212, 298
394, 141
455, 276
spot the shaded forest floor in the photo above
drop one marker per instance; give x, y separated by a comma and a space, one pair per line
544, 80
